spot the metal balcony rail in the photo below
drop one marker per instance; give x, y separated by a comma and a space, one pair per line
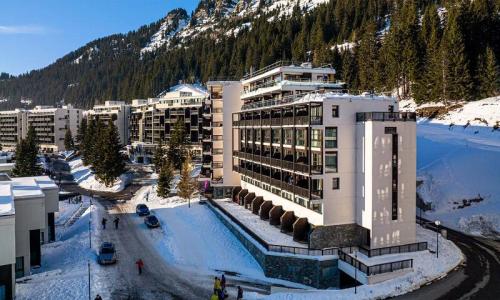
275, 82
414, 247
375, 269
272, 247
386, 116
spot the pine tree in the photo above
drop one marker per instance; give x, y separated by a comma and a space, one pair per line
159, 157
69, 144
488, 77
26, 156
80, 135
367, 58
457, 83
88, 143
177, 145
187, 185
165, 179
110, 164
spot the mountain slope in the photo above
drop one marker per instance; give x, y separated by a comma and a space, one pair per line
227, 37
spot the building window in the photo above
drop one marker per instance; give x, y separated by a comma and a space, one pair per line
391, 130
336, 183
288, 136
331, 162
331, 137
335, 111
317, 208
19, 266
316, 138
301, 137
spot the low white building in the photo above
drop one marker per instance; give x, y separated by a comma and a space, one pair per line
8, 243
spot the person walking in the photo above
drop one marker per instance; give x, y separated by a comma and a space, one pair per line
216, 285
140, 265
116, 221
214, 296
223, 282
98, 297
240, 293
103, 222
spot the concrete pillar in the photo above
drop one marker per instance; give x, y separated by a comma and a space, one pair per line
241, 196
236, 190
301, 229
248, 199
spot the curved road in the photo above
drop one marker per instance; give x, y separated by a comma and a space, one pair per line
477, 278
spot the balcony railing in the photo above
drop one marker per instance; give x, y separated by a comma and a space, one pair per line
386, 116
414, 247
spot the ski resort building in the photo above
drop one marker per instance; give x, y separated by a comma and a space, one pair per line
27, 209
118, 112
12, 128
153, 120
51, 124
223, 100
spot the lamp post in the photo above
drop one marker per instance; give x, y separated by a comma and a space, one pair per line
437, 222
355, 273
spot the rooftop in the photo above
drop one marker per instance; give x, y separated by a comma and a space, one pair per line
6, 200
288, 64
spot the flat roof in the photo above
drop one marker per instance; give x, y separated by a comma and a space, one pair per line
26, 187
6, 200
44, 182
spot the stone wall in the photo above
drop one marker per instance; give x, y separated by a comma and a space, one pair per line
337, 236
309, 271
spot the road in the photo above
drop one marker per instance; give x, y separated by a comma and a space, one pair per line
478, 278
159, 280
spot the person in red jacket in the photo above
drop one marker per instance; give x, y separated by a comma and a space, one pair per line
140, 265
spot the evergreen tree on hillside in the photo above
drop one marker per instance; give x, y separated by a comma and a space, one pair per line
187, 185
165, 179
457, 83
367, 52
177, 145
69, 144
488, 76
110, 163
26, 156
159, 157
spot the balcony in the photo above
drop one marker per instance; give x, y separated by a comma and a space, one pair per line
386, 116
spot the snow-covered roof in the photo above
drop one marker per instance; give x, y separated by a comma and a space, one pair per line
6, 200
197, 90
44, 182
26, 187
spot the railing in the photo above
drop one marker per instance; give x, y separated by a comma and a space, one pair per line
414, 247
375, 269
272, 247
386, 116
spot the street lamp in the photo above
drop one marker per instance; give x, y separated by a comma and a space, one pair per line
355, 272
437, 222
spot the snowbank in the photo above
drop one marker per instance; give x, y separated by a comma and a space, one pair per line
426, 268
193, 238
86, 179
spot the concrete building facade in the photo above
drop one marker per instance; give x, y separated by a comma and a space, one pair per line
118, 112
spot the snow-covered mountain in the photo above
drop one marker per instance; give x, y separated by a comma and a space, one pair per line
458, 164
175, 21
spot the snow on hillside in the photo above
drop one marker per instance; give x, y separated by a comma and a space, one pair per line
173, 23
459, 166
344, 46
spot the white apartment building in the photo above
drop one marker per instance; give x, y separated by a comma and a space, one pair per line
8, 244
223, 101
118, 112
27, 207
331, 168
51, 124
12, 128
152, 120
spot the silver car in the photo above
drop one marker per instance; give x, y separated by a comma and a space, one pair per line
107, 254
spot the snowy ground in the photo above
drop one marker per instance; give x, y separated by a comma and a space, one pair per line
426, 268
86, 179
460, 163
63, 274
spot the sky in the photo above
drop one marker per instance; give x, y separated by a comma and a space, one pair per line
34, 33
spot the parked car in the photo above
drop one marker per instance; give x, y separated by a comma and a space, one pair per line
152, 221
107, 254
142, 210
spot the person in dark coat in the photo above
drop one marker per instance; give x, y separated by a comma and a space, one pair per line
240, 293
103, 222
98, 297
116, 221
140, 265
223, 282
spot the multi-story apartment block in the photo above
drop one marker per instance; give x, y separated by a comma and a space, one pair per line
153, 120
12, 128
335, 169
8, 244
27, 208
118, 112
51, 124
223, 101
